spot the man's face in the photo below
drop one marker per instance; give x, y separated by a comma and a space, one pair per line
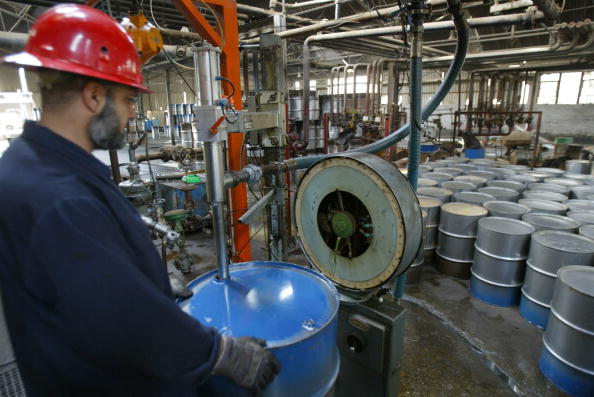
107, 128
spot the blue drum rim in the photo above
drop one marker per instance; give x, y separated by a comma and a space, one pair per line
240, 266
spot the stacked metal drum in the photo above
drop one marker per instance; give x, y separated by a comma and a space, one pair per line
500, 256
456, 237
567, 357
550, 250
431, 206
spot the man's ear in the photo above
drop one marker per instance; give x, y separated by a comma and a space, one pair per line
94, 96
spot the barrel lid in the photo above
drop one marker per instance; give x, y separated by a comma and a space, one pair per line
484, 174
564, 241
499, 191
587, 230
429, 202
476, 180
438, 176
464, 209
434, 191
425, 168
537, 175
544, 195
579, 205
580, 278
583, 189
582, 216
563, 181
543, 205
450, 170
458, 185
464, 167
549, 187
550, 221
279, 302
426, 182
506, 226
579, 177
473, 197
548, 170
514, 185
522, 178
515, 167
506, 207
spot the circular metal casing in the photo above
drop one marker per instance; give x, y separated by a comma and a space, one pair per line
461, 219
473, 197
517, 186
458, 186
393, 209
551, 250
551, 222
291, 307
504, 238
549, 187
578, 166
569, 339
544, 195
443, 195
563, 181
501, 193
579, 205
544, 206
506, 209
584, 217
477, 181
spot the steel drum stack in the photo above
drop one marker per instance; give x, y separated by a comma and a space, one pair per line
431, 206
550, 250
567, 357
506, 209
500, 256
457, 234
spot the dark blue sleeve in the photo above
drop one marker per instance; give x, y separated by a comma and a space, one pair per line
109, 310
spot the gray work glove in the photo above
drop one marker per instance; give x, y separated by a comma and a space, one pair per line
246, 362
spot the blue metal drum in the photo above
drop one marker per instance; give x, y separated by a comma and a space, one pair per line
293, 308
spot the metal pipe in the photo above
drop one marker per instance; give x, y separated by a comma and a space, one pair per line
367, 98
332, 73
344, 96
355, 106
207, 69
170, 105
215, 188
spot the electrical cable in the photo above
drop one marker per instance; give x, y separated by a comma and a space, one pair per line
153, 16
180, 74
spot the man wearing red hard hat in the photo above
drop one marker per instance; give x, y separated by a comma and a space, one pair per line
87, 300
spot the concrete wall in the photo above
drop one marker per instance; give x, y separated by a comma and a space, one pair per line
568, 120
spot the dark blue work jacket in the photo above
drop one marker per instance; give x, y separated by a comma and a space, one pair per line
86, 296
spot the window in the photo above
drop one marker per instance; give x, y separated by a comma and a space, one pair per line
569, 88
549, 83
587, 94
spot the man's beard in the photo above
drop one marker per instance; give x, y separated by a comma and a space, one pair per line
104, 129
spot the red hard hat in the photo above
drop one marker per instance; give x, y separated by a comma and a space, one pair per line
79, 39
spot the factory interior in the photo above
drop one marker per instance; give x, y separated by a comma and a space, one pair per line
409, 182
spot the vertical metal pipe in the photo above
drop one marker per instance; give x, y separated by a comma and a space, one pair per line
256, 70
169, 106
246, 74
344, 96
306, 55
206, 60
367, 94
215, 188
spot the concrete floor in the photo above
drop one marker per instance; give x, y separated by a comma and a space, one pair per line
455, 345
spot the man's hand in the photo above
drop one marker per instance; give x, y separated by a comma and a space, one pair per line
247, 362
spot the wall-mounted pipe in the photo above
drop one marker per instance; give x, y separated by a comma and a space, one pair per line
344, 94
355, 104
370, 69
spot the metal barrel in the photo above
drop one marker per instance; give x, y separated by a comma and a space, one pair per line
544, 206
475, 180
443, 195
543, 195
291, 307
563, 181
578, 166
568, 343
500, 193
504, 238
488, 175
582, 192
548, 170
501, 173
517, 186
438, 176
550, 251
461, 219
465, 167
579, 205
473, 197
551, 222
432, 206
584, 217
587, 179
453, 267
499, 263
453, 171
426, 182
549, 187
458, 186
431, 237
525, 179
516, 167
539, 176
454, 246
455, 160
587, 230
414, 271
506, 209
443, 162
